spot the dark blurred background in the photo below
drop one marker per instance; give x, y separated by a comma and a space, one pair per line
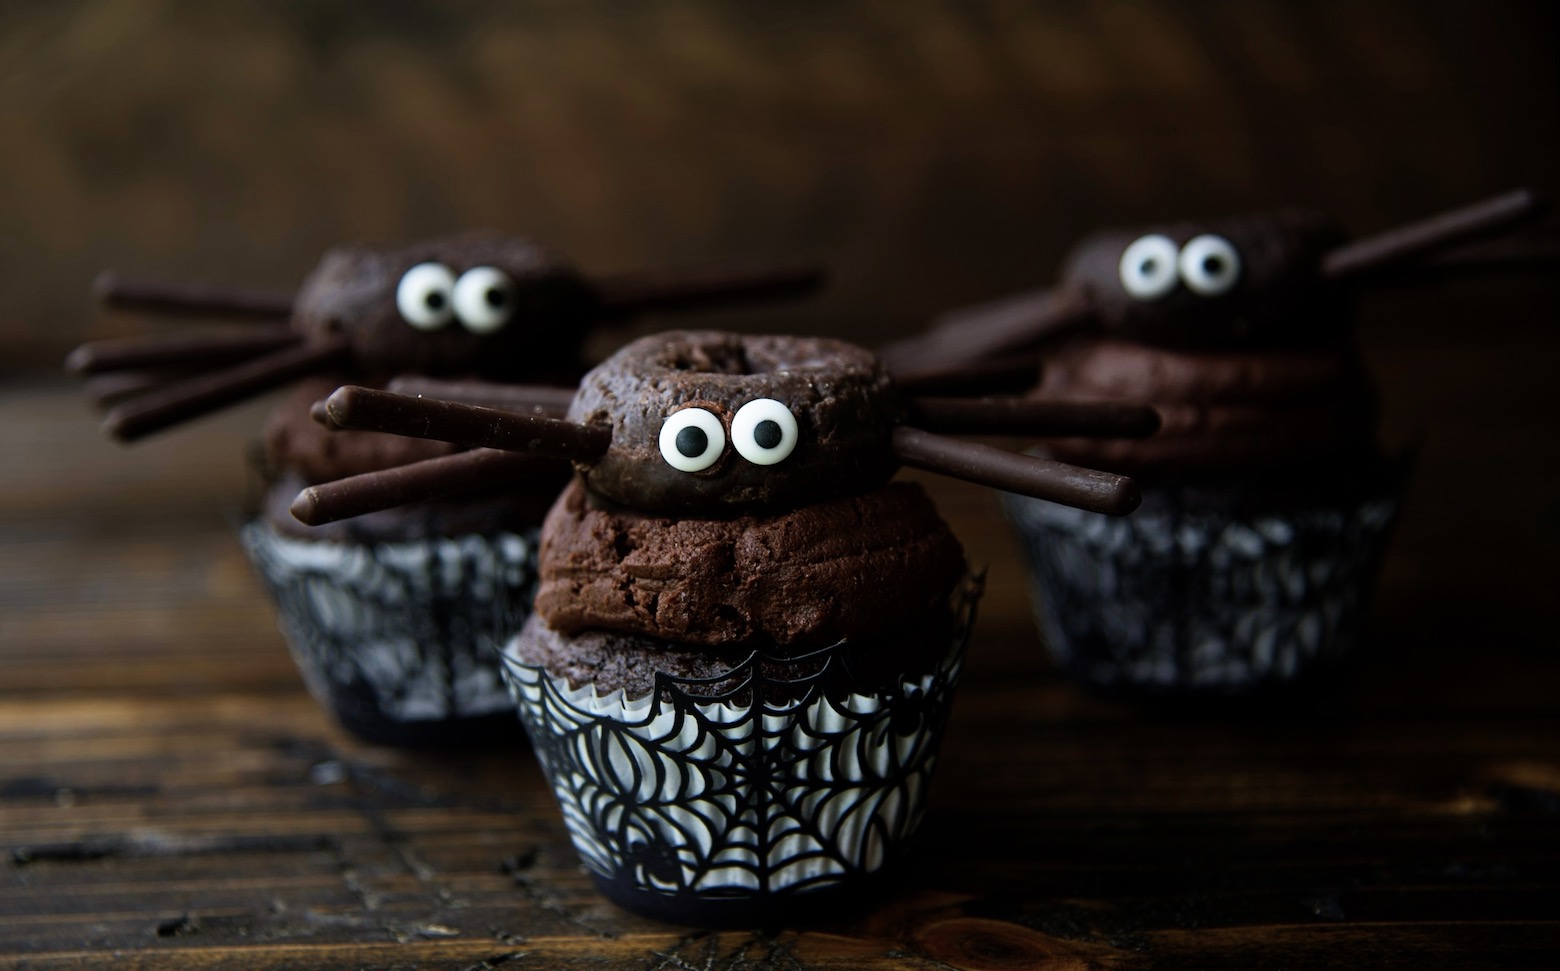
932, 153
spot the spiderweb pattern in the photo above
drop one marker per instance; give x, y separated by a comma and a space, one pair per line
1189, 595
404, 632
788, 781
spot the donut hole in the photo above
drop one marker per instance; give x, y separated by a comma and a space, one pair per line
709, 359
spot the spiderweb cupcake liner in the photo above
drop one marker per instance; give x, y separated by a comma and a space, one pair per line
1186, 596
401, 640
713, 801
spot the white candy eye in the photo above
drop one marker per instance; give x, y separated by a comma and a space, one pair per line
1209, 265
764, 431
484, 299
692, 440
424, 296
1148, 267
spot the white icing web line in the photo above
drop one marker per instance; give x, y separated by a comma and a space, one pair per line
714, 796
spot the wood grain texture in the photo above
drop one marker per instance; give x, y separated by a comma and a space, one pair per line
170, 797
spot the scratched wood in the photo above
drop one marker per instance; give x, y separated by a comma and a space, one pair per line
171, 798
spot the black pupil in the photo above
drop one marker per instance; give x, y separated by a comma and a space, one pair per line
767, 434
1149, 266
1213, 266
434, 300
692, 442
496, 297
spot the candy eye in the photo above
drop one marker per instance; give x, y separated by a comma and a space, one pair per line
764, 431
1148, 267
424, 296
484, 299
692, 440
1209, 265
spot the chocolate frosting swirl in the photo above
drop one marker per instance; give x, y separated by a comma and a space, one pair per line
841, 568
1224, 411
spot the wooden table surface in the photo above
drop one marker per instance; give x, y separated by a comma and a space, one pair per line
170, 797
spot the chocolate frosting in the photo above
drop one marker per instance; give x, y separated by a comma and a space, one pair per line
842, 399
1223, 410
842, 568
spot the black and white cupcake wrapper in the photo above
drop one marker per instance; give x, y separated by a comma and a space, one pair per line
721, 808
1187, 596
400, 640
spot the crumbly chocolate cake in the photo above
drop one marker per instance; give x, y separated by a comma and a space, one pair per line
842, 568
1250, 412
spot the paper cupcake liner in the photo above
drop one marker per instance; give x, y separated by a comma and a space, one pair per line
1186, 597
728, 808
401, 640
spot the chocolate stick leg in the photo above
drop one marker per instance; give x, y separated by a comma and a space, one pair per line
1518, 254
106, 390
1420, 239
1113, 495
1007, 375
321, 416
437, 478
1038, 419
190, 298
686, 289
1015, 324
198, 396
177, 350
365, 409
548, 402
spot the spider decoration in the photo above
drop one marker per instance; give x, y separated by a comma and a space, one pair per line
700, 442
790, 772
1269, 499
484, 304
1268, 280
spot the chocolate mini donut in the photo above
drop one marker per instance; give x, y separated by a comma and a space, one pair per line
1251, 279
714, 423
483, 303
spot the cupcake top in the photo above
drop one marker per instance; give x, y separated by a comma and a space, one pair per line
707, 424
831, 570
734, 490
1229, 330
1223, 411
1239, 331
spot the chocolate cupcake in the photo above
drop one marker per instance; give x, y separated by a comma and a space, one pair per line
394, 617
1267, 506
1267, 500
746, 638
